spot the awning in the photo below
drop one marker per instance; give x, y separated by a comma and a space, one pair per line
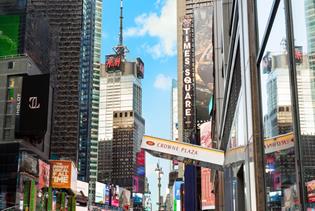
184, 152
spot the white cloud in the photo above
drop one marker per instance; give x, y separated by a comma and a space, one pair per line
163, 82
161, 26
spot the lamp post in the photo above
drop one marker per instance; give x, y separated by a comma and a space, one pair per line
159, 172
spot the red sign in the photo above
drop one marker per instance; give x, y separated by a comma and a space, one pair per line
113, 62
44, 173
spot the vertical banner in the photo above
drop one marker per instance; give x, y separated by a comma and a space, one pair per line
204, 83
207, 196
188, 81
204, 66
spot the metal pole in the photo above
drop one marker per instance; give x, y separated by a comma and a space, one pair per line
159, 185
295, 104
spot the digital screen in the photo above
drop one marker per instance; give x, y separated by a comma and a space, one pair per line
9, 34
275, 196
33, 106
137, 198
113, 63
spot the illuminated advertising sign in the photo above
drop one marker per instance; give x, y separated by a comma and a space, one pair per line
32, 106
28, 164
207, 196
140, 68
107, 194
311, 191
177, 195
124, 198
63, 175
43, 174
204, 66
100, 193
9, 34
113, 63
114, 195
137, 198
141, 158
188, 77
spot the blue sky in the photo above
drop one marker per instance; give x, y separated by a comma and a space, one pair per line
149, 33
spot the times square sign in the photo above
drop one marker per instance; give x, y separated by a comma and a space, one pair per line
188, 75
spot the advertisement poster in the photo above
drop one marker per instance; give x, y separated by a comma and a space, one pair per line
107, 194
177, 195
44, 174
63, 174
114, 195
203, 28
208, 198
9, 34
28, 164
311, 191
113, 63
124, 198
99, 193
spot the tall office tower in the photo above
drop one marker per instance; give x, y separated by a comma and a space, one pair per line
128, 129
64, 18
278, 119
309, 6
120, 90
89, 92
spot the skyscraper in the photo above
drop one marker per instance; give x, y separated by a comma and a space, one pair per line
89, 91
128, 129
120, 92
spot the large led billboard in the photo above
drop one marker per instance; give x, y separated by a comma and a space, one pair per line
63, 175
32, 106
100, 193
204, 66
9, 34
113, 63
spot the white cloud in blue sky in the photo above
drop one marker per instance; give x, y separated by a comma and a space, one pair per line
161, 26
163, 82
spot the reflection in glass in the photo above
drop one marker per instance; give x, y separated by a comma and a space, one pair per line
263, 12
278, 126
304, 41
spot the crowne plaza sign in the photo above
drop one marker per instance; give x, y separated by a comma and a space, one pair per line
184, 152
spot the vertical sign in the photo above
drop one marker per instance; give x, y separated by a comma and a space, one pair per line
204, 66
188, 80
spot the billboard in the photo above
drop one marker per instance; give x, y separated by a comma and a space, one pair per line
207, 187
107, 194
28, 164
9, 35
310, 191
100, 193
113, 63
124, 198
43, 174
188, 80
63, 175
177, 195
32, 107
114, 195
204, 66
140, 68
83, 187
137, 198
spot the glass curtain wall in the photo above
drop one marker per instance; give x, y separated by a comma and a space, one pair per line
286, 61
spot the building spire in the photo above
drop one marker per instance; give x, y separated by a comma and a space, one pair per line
120, 49
121, 24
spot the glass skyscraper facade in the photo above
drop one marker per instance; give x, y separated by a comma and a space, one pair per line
89, 91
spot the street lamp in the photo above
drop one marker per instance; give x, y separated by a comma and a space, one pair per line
159, 172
